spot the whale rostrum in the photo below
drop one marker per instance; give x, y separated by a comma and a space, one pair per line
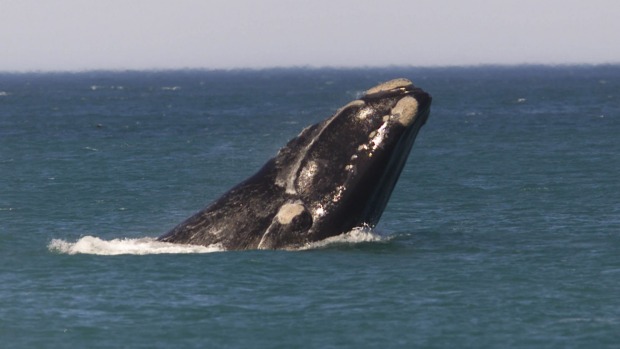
334, 176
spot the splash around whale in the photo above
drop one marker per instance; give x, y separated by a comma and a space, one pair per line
334, 176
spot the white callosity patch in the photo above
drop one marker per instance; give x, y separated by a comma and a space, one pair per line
337, 195
364, 113
351, 165
318, 211
289, 211
405, 110
285, 216
389, 85
377, 137
375, 140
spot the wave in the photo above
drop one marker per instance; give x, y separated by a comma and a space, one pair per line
355, 236
140, 246
144, 246
99, 87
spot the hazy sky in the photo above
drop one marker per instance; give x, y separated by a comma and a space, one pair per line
141, 34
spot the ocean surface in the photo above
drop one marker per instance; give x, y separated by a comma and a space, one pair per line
503, 230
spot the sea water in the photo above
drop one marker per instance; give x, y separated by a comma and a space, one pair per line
503, 230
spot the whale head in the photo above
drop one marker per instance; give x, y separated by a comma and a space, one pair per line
340, 173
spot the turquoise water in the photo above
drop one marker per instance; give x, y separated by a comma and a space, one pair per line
504, 229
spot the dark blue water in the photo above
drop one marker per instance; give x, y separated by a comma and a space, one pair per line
504, 229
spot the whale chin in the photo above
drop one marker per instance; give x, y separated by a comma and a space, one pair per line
334, 176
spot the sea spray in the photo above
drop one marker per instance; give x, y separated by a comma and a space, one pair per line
140, 246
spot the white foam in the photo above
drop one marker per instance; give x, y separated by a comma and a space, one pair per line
355, 236
140, 246
148, 245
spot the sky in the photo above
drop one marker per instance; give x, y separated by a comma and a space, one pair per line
77, 35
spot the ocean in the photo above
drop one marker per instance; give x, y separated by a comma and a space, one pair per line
503, 230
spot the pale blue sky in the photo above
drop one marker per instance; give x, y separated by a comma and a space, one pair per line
140, 34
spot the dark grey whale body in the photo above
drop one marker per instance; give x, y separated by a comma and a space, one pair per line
334, 176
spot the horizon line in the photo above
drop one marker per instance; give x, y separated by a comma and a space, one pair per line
306, 67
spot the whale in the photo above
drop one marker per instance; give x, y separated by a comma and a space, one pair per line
335, 176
